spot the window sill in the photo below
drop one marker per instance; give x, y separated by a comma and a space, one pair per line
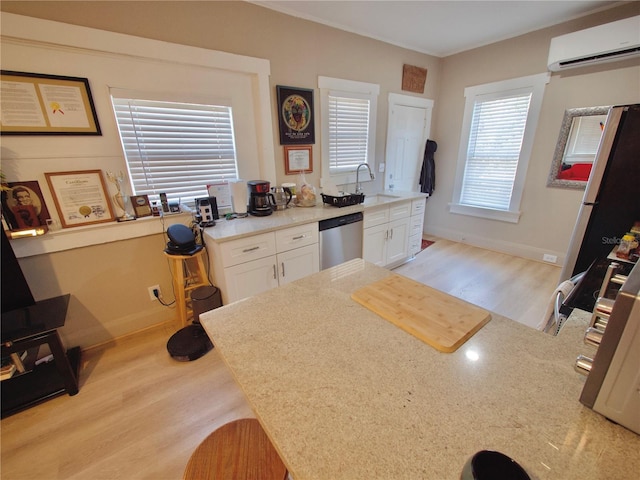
501, 215
77, 237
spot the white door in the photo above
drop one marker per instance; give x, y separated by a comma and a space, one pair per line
409, 125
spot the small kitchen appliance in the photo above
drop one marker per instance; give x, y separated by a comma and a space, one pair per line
282, 197
182, 241
261, 200
239, 197
207, 211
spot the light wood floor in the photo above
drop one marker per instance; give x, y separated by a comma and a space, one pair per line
140, 414
514, 287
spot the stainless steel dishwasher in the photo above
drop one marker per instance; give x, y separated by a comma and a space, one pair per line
340, 239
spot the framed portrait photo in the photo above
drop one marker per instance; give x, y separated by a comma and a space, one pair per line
23, 206
295, 116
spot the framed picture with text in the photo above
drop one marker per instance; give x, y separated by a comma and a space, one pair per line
38, 104
80, 197
298, 159
295, 116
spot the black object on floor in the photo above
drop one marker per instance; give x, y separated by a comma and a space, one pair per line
189, 343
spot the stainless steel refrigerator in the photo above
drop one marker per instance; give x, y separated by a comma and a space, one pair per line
611, 202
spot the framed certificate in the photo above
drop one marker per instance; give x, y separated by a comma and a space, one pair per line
298, 159
37, 104
80, 197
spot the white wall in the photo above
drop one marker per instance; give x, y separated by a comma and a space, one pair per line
108, 281
108, 267
548, 214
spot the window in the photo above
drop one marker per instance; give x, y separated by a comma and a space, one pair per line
498, 129
348, 111
584, 139
176, 148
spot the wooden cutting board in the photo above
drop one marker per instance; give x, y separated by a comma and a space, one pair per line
436, 318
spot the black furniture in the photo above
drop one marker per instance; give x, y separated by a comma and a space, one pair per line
25, 330
587, 290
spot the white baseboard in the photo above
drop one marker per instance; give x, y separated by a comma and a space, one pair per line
510, 248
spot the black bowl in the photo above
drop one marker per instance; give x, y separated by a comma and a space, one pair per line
489, 465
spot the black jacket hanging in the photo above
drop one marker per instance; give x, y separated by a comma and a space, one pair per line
428, 172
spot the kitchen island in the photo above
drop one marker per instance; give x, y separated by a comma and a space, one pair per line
343, 393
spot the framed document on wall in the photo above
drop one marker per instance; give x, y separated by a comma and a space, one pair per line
80, 197
38, 104
298, 159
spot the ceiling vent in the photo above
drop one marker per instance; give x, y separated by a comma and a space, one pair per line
605, 43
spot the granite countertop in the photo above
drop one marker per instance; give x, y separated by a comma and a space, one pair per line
225, 230
344, 394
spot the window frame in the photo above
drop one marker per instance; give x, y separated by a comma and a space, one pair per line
349, 89
535, 84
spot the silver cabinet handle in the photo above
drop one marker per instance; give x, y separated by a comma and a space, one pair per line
298, 237
247, 250
282, 269
392, 233
275, 272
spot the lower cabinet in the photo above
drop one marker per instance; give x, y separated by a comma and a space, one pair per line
252, 265
416, 226
249, 278
297, 263
386, 234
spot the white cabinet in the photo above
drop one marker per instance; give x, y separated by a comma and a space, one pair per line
298, 263
386, 234
254, 264
416, 226
250, 278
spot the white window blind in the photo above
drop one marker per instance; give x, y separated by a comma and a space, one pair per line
176, 148
348, 132
584, 139
495, 141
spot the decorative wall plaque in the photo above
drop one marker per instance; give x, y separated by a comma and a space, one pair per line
413, 78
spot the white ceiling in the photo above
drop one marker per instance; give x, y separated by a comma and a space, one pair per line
438, 28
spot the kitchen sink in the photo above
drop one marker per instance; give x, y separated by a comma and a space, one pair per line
380, 198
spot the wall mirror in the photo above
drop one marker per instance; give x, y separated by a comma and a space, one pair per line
577, 145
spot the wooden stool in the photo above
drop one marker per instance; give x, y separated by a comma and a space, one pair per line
236, 451
186, 279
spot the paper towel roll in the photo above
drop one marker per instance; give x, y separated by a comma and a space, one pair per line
239, 196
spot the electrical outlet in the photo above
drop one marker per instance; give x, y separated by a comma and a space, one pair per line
151, 295
547, 257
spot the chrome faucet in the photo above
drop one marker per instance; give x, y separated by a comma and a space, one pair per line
358, 187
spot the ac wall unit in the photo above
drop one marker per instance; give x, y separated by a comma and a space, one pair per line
604, 43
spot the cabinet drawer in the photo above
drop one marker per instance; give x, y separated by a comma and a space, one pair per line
295, 237
243, 250
415, 244
376, 217
399, 210
417, 206
415, 227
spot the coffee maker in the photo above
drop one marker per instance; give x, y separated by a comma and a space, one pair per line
261, 200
